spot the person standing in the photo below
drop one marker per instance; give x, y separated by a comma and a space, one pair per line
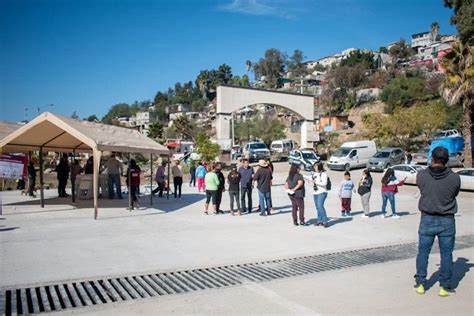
220, 188
390, 185
439, 187
263, 177
200, 176
31, 178
234, 189
192, 174
364, 190
76, 169
177, 175
114, 170
408, 158
345, 194
133, 180
212, 184
320, 193
62, 170
246, 177
160, 179
89, 168
270, 166
296, 191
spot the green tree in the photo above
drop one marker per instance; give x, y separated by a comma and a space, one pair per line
295, 64
75, 116
206, 149
270, 66
403, 92
92, 118
358, 57
383, 49
400, 51
463, 18
459, 88
185, 128
117, 110
155, 130
198, 105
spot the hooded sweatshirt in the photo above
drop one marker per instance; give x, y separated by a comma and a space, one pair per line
438, 187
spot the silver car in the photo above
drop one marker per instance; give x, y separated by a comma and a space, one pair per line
385, 158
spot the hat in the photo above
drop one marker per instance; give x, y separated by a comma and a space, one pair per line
440, 154
262, 163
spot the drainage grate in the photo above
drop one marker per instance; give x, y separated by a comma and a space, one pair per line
56, 297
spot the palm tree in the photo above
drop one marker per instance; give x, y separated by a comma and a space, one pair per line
434, 31
458, 88
248, 63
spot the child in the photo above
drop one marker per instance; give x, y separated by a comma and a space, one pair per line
200, 175
345, 194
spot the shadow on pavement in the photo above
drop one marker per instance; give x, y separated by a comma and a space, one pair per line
460, 268
339, 221
6, 229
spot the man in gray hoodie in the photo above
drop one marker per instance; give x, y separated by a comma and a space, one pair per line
439, 187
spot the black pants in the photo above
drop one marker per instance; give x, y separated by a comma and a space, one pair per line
192, 182
178, 183
62, 187
31, 186
133, 192
243, 193
219, 199
159, 189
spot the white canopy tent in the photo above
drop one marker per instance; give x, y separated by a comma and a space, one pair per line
52, 132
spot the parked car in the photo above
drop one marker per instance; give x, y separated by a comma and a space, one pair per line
352, 154
256, 150
385, 158
448, 133
421, 157
467, 178
305, 158
407, 171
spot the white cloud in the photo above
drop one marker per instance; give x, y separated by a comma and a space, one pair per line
258, 7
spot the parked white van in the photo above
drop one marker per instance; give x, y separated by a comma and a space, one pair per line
352, 154
282, 147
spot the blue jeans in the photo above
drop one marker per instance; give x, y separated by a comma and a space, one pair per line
445, 228
319, 200
264, 198
391, 197
114, 180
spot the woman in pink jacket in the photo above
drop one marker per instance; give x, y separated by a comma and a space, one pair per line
390, 185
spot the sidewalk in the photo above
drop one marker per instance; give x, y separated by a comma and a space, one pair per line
380, 289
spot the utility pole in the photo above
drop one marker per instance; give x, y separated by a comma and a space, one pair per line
233, 129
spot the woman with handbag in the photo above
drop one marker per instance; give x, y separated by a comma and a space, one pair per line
320, 185
364, 190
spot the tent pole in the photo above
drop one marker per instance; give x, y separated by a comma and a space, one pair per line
129, 181
95, 183
169, 184
151, 179
73, 193
41, 176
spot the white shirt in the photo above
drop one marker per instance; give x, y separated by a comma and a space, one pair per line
321, 180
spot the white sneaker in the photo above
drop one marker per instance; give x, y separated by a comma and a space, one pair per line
365, 216
383, 216
395, 216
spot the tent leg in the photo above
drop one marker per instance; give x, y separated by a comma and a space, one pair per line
151, 179
129, 184
169, 184
97, 154
41, 177
73, 193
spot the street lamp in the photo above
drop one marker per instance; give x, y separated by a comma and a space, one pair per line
43, 106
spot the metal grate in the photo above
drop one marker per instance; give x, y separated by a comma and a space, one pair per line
63, 296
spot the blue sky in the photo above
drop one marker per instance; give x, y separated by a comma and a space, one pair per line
85, 55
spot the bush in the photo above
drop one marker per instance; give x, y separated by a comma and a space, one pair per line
402, 92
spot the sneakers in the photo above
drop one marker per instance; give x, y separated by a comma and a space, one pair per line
445, 292
365, 216
395, 216
420, 289
383, 215
343, 214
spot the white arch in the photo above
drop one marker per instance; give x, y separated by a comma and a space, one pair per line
230, 99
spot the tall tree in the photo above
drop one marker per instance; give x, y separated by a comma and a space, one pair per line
248, 65
434, 30
92, 118
400, 51
463, 18
459, 88
270, 67
295, 64
206, 149
185, 128
155, 130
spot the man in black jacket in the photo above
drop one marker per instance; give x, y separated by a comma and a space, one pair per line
439, 187
62, 170
220, 188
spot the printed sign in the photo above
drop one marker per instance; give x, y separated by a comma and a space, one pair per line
12, 166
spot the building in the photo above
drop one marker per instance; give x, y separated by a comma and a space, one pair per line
421, 39
177, 108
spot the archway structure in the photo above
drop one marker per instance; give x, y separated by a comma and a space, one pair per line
230, 99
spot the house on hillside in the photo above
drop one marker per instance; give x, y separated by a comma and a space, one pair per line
421, 39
